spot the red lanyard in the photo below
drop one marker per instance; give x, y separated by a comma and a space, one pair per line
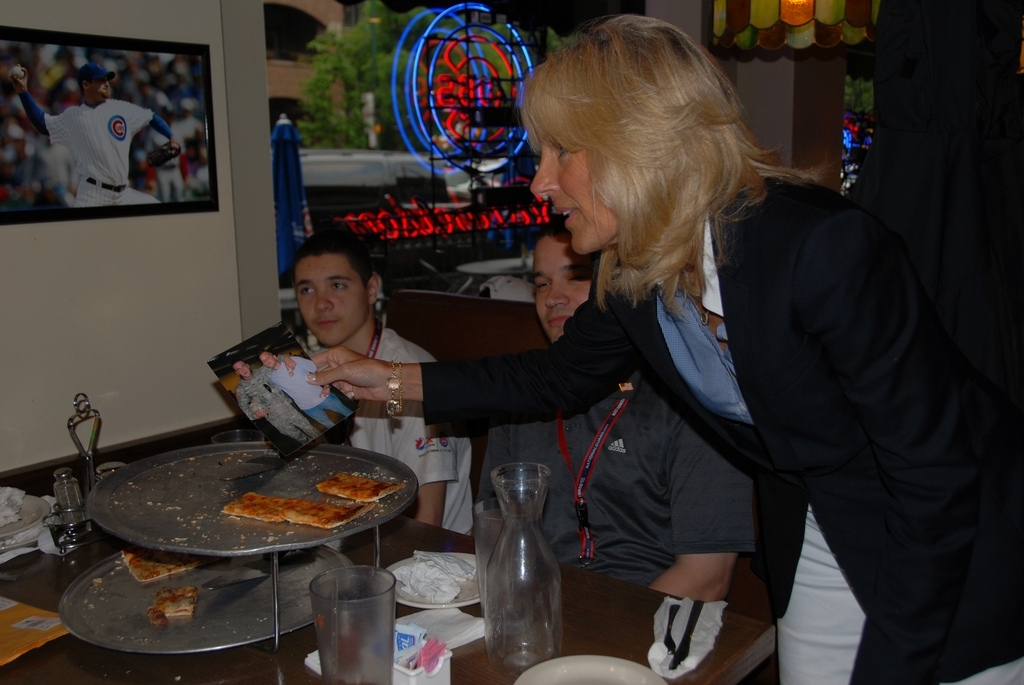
371, 351
582, 479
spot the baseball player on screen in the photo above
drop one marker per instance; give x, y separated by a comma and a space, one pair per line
99, 134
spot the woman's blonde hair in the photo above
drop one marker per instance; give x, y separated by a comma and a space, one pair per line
666, 143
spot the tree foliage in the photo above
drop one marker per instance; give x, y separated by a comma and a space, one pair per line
345, 65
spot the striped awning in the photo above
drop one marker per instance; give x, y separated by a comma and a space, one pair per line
796, 23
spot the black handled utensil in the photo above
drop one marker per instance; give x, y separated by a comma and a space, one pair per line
684, 645
669, 642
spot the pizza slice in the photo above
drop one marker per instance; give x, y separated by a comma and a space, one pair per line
171, 602
357, 488
293, 510
151, 564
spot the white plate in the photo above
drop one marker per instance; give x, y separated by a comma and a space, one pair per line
469, 594
32, 511
586, 669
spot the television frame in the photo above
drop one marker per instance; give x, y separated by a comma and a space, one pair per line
152, 74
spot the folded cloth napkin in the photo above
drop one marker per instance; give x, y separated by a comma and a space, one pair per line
10, 505
450, 626
704, 633
435, 576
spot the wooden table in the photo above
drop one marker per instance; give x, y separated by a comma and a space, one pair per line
601, 615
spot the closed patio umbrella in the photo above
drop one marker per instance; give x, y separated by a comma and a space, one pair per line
290, 208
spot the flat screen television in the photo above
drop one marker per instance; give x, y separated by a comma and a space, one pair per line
77, 144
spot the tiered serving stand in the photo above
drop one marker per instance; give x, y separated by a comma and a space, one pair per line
173, 502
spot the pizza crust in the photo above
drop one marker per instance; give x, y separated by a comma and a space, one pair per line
151, 564
293, 510
357, 488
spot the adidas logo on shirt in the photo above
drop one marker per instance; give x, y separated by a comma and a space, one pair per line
617, 446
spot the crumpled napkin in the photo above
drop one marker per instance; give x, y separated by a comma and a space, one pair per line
704, 633
435, 576
21, 543
451, 626
10, 505
459, 569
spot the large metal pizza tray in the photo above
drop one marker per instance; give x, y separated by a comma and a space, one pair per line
106, 606
173, 501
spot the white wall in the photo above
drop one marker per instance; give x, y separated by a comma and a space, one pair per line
128, 310
692, 16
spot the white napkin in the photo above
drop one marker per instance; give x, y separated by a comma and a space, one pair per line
457, 568
31, 539
10, 505
435, 576
450, 626
704, 633
312, 661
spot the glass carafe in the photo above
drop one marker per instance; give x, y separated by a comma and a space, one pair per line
523, 609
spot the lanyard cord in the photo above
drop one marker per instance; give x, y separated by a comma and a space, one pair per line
378, 328
581, 480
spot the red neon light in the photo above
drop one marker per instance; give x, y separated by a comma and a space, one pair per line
466, 90
461, 89
421, 221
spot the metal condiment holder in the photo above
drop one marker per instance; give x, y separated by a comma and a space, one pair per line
84, 412
69, 536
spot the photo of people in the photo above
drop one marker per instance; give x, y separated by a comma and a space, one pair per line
266, 376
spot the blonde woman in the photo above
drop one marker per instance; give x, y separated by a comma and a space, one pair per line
793, 323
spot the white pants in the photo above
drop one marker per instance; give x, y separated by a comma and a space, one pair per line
819, 635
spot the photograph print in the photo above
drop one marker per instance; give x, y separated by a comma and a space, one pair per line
94, 127
266, 376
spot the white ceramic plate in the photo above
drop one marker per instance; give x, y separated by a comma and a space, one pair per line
32, 511
586, 669
469, 594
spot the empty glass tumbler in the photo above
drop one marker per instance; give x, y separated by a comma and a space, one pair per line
523, 603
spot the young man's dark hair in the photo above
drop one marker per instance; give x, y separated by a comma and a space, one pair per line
554, 227
341, 242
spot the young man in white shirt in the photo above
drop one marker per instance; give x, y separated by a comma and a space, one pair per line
336, 290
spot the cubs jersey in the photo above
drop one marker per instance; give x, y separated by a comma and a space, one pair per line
99, 137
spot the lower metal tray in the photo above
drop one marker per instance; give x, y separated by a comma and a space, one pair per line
173, 501
106, 606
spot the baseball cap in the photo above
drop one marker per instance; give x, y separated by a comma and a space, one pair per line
507, 288
90, 71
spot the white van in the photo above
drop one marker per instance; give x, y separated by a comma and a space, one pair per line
342, 181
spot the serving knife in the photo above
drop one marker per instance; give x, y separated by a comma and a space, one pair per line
239, 575
257, 570
252, 466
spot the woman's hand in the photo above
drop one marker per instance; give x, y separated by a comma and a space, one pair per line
363, 378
